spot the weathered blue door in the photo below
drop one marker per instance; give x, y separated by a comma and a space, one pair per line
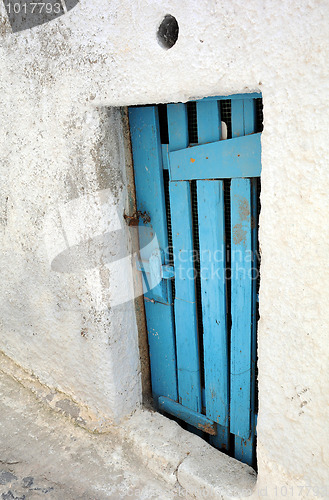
197, 169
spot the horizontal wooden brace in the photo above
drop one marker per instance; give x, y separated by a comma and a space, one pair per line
253, 95
191, 417
226, 159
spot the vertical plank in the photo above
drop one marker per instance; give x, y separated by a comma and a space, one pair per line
249, 128
177, 126
209, 122
241, 259
254, 229
187, 344
213, 291
213, 285
243, 122
188, 366
146, 147
249, 116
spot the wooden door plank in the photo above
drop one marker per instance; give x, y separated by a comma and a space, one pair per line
249, 117
213, 288
187, 344
237, 157
177, 126
248, 447
242, 236
213, 292
188, 365
241, 297
253, 95
145, 138
197, 420
254, 236
208, 121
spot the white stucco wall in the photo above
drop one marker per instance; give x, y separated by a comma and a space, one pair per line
58, 143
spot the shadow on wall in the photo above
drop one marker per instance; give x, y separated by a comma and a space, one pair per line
87, 233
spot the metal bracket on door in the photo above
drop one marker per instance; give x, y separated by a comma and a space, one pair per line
156, 268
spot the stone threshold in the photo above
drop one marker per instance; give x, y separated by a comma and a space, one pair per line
167, 450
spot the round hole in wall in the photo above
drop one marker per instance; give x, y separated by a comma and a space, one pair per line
168, 32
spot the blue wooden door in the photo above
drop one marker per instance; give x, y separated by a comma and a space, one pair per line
197, 169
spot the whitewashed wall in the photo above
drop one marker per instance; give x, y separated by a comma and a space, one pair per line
58, 143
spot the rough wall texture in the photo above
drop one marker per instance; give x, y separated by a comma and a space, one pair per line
58, 143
